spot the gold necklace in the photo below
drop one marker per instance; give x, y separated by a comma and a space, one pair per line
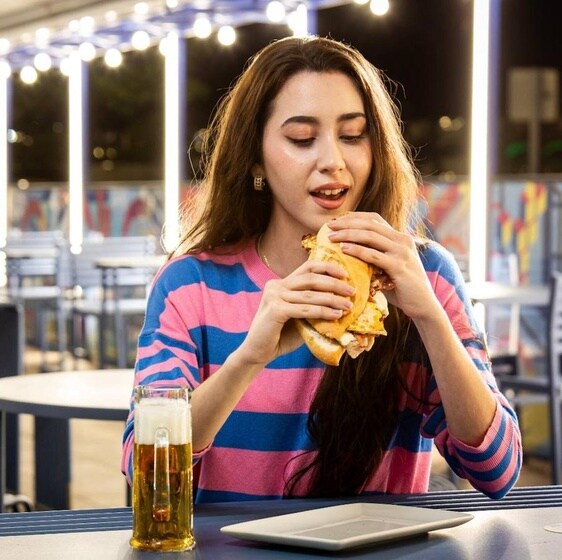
261, 254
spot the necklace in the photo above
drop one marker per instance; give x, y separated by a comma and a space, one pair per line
261, 254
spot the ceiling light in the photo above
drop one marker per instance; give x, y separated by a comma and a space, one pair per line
5, 69
275, 11
64, 66
226, 35
202, 27
140, 40
379, 7
42, 36
4, 45
113, 58
110, 16
87, 24
42, 61
87, 52
28, 75
74, 25
141, 8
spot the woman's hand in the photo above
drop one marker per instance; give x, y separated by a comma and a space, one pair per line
369, 237
315, 290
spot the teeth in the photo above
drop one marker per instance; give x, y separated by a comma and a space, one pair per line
331, 192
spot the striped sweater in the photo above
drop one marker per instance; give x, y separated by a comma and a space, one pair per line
199, 311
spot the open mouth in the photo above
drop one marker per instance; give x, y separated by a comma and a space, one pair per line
330, 194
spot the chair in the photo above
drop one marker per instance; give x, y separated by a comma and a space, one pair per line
547, 388
120, 295
37, 272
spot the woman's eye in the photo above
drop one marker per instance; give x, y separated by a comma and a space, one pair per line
352, 139
302, 141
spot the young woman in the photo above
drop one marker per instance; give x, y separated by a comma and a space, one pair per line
309, 135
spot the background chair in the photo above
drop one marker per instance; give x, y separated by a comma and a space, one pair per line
522, 389
37, 271
118, 293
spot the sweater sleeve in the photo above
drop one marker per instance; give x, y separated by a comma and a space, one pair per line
493, 466
166, 352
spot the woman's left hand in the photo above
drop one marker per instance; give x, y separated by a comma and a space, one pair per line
369, 237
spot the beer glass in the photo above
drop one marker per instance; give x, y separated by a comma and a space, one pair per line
162, 470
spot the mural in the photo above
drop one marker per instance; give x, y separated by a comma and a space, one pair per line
519, 221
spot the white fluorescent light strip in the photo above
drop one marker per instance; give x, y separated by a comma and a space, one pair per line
3, 159
76, 153
172, 141
478, 242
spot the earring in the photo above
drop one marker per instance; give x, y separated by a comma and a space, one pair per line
259, 183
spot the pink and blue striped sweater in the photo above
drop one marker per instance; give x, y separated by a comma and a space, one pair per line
199, 311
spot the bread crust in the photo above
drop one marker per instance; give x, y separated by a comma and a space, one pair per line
358, 275
325, 349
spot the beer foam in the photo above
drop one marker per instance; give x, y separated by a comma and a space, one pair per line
173, 414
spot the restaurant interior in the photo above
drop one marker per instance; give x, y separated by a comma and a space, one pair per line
77, 258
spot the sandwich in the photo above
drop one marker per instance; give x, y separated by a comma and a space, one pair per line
355, 331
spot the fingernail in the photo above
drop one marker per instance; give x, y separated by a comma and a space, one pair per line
349, 290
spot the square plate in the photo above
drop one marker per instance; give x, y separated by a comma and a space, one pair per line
346, 526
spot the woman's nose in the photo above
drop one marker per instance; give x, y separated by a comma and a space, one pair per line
330, 155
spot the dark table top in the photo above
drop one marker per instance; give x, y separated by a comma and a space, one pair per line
512, 528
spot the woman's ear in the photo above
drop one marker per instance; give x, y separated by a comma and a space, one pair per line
257, 169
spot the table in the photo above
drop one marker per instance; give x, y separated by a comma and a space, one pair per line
509, 529
54, 398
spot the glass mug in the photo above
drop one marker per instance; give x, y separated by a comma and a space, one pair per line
162, 470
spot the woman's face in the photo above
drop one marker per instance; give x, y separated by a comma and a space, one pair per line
316, 150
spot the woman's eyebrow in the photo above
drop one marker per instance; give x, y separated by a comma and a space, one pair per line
304, 119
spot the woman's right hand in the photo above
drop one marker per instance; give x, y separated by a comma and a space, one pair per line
315, 290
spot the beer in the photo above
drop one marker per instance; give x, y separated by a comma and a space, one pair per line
162, 475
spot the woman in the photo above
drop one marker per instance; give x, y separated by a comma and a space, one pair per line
309, 135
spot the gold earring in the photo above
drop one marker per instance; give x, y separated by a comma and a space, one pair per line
259, 183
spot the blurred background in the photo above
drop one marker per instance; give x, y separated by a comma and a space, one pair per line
424, 46
427, 48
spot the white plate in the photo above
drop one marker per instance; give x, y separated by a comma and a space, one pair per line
346, 526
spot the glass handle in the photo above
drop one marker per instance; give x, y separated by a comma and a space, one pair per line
161, 507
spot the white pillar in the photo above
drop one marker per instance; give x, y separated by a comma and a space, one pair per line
5, 112
77, 148
174, 132
479, 145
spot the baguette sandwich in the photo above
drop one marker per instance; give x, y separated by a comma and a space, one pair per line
355, 331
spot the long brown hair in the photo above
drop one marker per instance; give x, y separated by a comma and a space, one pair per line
353, 413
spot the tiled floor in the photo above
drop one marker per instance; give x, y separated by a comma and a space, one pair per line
96, 453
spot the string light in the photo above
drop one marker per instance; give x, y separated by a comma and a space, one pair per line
28, 75
379, 7
141, 8
64, 66
5, 69
4, 46
202, 27
226, 35
42, 61
140, 40
275, 11
87, 52
113, 58
42, 36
